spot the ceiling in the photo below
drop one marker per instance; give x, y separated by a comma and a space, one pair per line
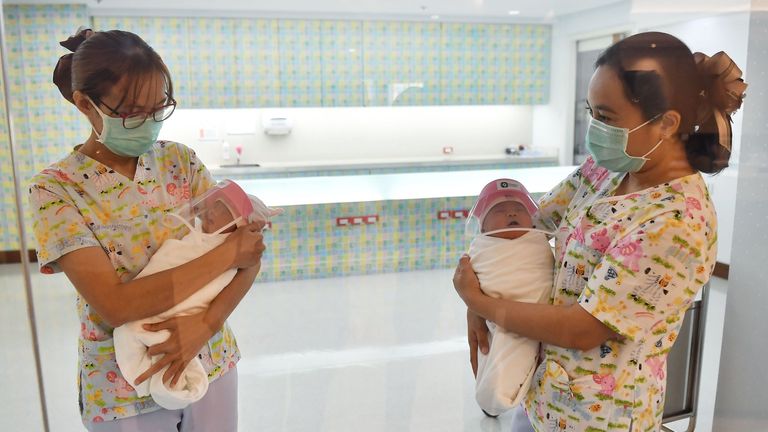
484, 10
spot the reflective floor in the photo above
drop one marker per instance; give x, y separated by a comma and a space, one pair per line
375, 353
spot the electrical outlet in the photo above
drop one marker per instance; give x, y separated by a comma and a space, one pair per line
452, 214
357, 220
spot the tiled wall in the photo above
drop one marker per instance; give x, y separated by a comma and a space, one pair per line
342, 65
214, 62
306, 243
247, 63
494, 64
8, 231
230, 62
46, 126
402, 52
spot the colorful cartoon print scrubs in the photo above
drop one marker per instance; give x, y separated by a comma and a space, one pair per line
636, 263
78, 202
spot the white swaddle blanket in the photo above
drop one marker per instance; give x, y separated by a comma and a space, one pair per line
132, 341
521, 270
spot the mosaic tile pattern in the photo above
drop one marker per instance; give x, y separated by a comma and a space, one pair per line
401, 52
8, 231
305, 242
342, 63
245, 63
234, 63
301, 83
46, 126
494, 64
257, 66
267, 62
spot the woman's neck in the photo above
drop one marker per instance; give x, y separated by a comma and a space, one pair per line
664, 167
99, 152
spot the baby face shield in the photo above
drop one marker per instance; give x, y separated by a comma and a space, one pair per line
220, 209
504, 205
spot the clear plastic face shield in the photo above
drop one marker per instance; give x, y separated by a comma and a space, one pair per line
221, 209
505, 209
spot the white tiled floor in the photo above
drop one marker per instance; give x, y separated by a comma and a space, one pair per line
374, 353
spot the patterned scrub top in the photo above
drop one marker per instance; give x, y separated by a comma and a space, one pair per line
79, 202
636, 263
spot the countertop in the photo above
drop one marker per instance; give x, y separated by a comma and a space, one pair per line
382, 187
354, 164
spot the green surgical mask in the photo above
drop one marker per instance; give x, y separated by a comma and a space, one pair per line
608, 146
126, 142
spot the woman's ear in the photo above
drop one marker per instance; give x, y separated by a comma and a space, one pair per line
83, 103
670, 123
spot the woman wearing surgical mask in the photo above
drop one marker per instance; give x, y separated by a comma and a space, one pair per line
636, 239
98, 216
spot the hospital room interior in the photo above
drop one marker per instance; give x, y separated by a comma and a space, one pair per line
370, 131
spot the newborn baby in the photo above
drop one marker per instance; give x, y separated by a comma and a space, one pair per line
513, 261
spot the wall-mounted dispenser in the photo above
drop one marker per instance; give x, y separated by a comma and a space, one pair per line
276, 124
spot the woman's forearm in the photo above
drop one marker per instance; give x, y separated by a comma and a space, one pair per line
565, 326
156, 293
225, 303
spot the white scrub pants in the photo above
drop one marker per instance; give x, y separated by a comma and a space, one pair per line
216, 411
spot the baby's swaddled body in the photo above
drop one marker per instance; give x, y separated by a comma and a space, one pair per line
132, 341
518, 269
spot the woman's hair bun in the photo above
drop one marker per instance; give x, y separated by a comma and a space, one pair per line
62, 73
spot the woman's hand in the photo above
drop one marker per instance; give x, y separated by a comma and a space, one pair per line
465, 282
247, 242
467, 285
477, 336
188, 334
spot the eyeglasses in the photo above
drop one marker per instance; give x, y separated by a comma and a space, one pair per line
136, 119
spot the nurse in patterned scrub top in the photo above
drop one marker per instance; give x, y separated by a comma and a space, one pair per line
98, 216
636, 239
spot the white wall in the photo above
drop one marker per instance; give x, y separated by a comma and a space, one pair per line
333, 135
741, 398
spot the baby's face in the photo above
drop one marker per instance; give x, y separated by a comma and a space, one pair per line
215, 217
507, 214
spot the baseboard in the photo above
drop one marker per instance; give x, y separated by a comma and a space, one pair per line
12, 257
721, 270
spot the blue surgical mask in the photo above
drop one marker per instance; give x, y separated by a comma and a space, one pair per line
126, 142
608, 146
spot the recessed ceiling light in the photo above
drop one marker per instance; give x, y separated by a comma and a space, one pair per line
435, 17
514, 12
